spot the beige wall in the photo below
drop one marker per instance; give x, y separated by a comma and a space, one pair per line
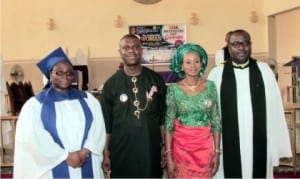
287, 43
288, 35
89, 25
272, 7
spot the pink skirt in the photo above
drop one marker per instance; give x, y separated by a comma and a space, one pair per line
192, 151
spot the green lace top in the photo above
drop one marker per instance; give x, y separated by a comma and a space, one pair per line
193, 110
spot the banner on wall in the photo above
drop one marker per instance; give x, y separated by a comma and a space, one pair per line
159, 41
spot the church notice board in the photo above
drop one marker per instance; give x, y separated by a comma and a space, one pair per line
159, 41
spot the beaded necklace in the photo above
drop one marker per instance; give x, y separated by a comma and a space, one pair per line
193, 87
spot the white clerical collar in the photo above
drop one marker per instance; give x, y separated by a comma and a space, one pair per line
241, 66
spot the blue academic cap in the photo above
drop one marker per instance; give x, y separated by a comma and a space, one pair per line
46, 64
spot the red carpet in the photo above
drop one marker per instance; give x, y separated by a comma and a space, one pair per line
287, 175
6, 175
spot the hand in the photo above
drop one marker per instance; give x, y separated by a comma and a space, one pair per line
74, 160
163, 160
170, 167
83, 154
106, 165
215, 164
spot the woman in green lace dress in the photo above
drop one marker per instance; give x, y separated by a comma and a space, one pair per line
192, 125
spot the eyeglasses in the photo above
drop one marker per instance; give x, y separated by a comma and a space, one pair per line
238, 44
127, 48
62, 73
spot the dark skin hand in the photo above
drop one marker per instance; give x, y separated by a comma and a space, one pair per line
106, 159
74, 160
163, 161
106, 164
77, 158
171, 169
215, 164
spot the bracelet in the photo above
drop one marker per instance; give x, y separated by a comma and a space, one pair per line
218, 151
167, 151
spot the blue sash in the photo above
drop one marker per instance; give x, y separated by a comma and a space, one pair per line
48, 115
